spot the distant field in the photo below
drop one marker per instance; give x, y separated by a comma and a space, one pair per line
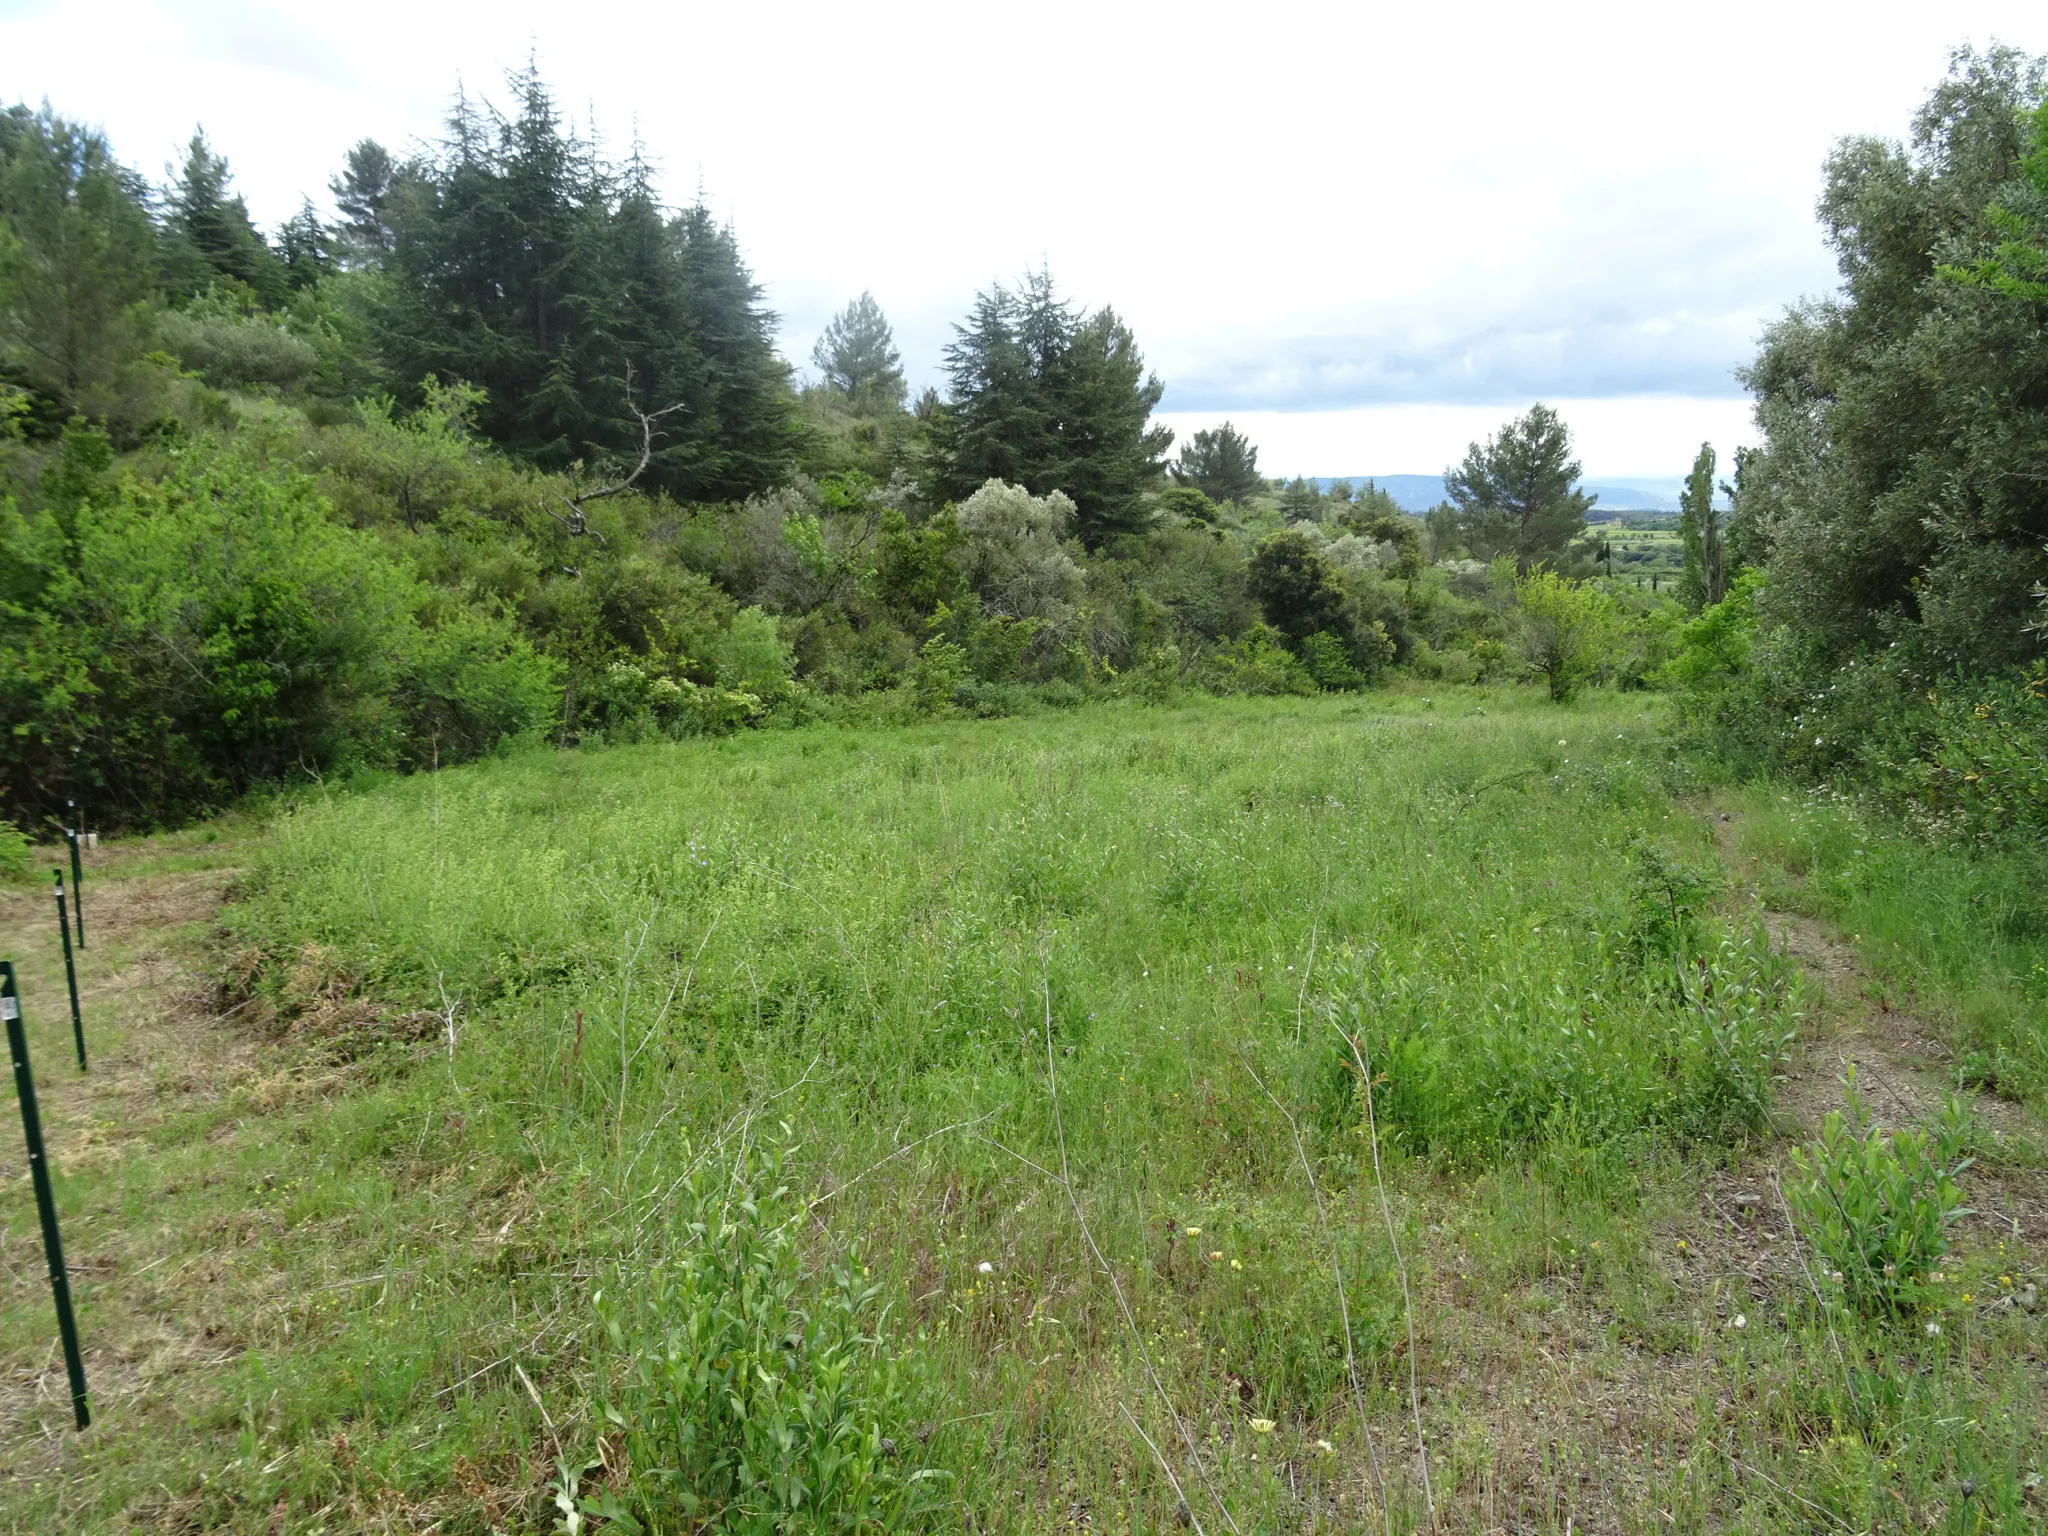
1060, 1024
1642, 552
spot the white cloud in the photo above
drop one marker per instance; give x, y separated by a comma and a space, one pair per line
1298, 207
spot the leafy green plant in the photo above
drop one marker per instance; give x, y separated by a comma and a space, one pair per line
936, 676
1667, 898
1328, 660
14, 851
742, 1396
1877, 1205
1563, 628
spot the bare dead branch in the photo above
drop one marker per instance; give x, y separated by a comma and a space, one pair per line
577, 522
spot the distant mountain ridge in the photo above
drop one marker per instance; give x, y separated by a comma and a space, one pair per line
1418, 493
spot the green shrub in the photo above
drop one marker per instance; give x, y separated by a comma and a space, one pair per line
194, 638
1563, 628
935, 676
746, 1397
1327, 659
752, 657
1667, 899
14, 851
1256, 665
215, 336
1877, 1205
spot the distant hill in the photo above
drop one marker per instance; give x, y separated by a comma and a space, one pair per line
1418, 493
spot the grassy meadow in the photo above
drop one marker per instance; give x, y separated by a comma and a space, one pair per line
968, 1119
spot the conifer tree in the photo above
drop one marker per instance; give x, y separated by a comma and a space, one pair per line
524, 263
361, 191
1048, 399
1221, 463
742, 402
1516, 493
305, 248
77, 254
857, 357
1300, 502
209, 235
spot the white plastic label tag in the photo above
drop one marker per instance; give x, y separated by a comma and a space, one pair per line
9, 1008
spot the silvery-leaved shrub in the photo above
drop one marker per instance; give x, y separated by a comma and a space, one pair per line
739, 1394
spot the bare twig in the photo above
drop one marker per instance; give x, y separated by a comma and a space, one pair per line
909, 1147
1193, 1519
1755, 1471
1308, 970
526, 1381
1826, 1312
448, 1008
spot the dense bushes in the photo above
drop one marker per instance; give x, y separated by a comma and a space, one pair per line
1963, 755
175, 644
607, 481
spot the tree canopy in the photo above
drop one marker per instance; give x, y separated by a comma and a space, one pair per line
1898, 494
1516, 493
525, 263
77, 256
1221, 463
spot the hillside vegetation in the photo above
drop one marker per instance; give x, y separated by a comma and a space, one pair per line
685, 949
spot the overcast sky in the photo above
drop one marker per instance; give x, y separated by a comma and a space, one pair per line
1364, 232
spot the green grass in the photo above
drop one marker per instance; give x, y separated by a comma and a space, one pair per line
516, 1007
1960, 934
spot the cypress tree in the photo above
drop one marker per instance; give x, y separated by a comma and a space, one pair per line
1705, 579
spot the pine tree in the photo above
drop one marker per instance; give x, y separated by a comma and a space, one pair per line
521, 261
209, 235
1047, 399
997, 426
857, 357
745, 402
503, 277
361, 192
304, 246
77, 254
1300, 502
1515, 493
1705, 579
1222, 463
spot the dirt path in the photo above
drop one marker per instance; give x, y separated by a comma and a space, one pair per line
154, 1047
1901, 1065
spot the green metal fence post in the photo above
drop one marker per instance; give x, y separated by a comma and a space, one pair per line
76, 833
46, 1199
70, 970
